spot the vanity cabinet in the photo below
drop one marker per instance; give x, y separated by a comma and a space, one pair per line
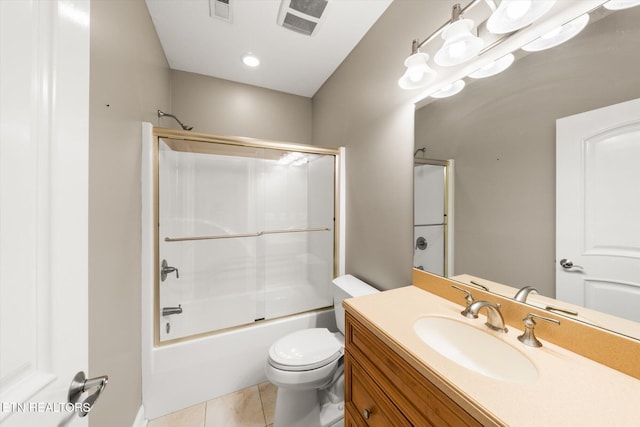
382, 389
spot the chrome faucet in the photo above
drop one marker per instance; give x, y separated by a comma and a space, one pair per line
495, 320
528, 337
522, 294
168, 311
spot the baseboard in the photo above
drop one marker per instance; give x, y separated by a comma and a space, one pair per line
140, 420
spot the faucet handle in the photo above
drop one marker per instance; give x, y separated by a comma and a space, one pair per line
469, 299
528, 337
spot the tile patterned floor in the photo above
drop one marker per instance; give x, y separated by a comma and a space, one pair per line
250, 407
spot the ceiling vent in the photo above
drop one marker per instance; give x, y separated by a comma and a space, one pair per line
221, 9
301, 16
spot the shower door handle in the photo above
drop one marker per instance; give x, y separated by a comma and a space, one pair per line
166, 269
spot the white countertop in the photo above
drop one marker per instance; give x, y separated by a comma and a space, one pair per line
570, 390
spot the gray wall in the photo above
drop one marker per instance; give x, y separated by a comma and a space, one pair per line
501, 133
222, 107
129, 82
361, 107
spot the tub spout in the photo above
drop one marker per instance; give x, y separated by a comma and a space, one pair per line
167, 311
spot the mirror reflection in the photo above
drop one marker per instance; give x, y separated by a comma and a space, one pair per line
501, 133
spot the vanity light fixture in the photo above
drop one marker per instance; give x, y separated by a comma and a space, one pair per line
494, 67
460, 44
511, 15
621, 4
449, 90
558, 36
418, 73
499, 25
250, 60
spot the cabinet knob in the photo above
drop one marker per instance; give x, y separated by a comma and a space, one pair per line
366, 414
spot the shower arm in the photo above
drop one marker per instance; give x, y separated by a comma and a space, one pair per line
185, 127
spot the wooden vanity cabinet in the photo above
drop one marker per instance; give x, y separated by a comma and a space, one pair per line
383, 390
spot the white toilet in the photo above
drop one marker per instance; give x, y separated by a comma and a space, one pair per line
307, 367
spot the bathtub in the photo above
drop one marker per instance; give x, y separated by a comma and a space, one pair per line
181, 374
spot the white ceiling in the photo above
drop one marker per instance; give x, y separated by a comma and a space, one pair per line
290, 62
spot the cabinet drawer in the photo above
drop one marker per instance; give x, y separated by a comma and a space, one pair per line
365, 398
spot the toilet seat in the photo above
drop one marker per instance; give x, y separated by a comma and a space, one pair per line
306, 350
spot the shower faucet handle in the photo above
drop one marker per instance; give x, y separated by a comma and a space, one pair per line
166, 269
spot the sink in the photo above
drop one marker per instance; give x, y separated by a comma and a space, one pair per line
475, 349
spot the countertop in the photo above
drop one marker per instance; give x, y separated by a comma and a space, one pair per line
570, 390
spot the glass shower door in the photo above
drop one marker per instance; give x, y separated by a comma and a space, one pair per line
207, 203
245, 234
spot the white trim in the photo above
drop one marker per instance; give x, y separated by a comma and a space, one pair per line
140, 420
450, 217
342, 212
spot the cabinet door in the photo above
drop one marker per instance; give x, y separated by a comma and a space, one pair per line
368, 400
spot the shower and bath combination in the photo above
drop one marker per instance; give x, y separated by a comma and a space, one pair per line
163, 114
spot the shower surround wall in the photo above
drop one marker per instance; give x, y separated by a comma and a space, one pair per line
228, 282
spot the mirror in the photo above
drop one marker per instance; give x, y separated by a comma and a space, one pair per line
500, 132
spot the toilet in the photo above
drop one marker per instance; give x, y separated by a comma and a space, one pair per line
307, 367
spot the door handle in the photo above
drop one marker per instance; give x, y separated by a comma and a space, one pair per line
79, 385
567, 264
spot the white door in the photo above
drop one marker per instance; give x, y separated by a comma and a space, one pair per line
598, 209
44, 79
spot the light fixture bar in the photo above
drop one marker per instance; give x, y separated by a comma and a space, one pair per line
437, 32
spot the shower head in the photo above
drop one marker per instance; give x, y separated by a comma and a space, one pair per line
185, 127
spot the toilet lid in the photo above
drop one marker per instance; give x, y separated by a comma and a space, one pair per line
306, 349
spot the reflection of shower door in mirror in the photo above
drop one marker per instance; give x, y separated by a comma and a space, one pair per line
598, 209
246, 233
430, 217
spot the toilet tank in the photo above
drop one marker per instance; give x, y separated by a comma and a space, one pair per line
345, 287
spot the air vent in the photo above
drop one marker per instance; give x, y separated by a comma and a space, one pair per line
302, 16
221, 9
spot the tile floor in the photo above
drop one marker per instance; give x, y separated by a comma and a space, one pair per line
250, 407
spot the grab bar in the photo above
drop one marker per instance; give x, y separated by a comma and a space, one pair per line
233, 236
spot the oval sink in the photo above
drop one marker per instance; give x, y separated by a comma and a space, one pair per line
475, 349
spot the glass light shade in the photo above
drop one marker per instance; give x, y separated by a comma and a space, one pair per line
512, 15
459, 44
559, 35
494, 67
621, 4
418, 73
449, 90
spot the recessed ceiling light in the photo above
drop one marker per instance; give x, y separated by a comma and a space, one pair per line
250, 60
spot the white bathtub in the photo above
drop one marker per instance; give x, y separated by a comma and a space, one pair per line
179, 375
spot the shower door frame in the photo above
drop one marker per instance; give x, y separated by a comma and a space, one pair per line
197, 137
448, 208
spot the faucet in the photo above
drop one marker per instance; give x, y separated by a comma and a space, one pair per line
528, 337
469, 299
522, 294
495, 320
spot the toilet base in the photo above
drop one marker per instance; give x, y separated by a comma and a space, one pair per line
297, 408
